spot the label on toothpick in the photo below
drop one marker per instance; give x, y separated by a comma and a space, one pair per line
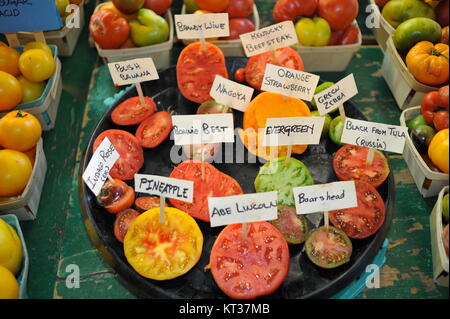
325, 197
164, 187
243, 208
276, 36
293, 131
102, 161
230, 93
289, 82
383, 137
203, 129
133, 71
195, 26
330, 99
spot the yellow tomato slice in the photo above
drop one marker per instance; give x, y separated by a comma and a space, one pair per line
163, 251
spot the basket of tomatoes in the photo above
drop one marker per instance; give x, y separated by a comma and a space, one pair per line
427, 146
243, 18
22, 164
30, 80
67, 37
125, 30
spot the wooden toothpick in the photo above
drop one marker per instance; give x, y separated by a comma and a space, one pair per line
140, 93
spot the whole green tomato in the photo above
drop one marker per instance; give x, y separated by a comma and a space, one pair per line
336, 130
149, 28
191, 6
326, 126
313, 32
398, 11
414, 30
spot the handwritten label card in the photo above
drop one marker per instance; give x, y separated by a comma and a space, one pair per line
276, 36
195, 26
290, 82
164, 187
325, 197
330, 99
293, 131
383, 137
29, 16
133, 71
230, 93
243, 208
203, 129
102, 161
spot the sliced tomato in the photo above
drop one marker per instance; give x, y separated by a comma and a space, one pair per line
362, 221
293, 227
154, 130
146, 203
123, 222
132, 112
163, 251
256, 65
349, 163
197, 70
215, 184
116, 196
328, 247
251, 268
131, 154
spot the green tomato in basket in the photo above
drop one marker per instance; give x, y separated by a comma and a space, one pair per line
149, 28
326, 126
191, 6
398, 11
414, 30
320, 88
313, 32
336, 130
415, 122
445, 207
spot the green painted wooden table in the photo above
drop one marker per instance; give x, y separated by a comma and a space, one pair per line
58, 238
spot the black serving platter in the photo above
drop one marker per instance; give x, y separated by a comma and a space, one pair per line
304, 280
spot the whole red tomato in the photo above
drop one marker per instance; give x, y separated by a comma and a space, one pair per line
434, 108
240, 8
128, 6
213, 5
442, 13
381, 3
289, 10
444, 36
158, 6
339, 13
240, 26
108, 29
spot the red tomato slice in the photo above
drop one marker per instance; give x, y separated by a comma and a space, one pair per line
154, 130
197, 69
362, 221
249, 268
132, 112
146, 203
215, 184
122, 223
131, 154
349, 163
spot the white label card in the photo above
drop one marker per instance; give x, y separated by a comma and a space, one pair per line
196, 26
273, 37
230, 93
293, 131
383, 137
325, 197
330, 99
102, 161
289, 82
133, 71
164, 187
243, 208
203, 129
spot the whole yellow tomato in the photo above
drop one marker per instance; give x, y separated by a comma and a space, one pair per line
37, 65
31, 90
3, 44
15, 171
438, 151
10, 248
37, 45
19, 131
9, 288
62, 5
10, 91
9, 60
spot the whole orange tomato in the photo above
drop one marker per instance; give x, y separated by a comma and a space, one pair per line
339, 13
428, 63
213, 5
9, 60
19, 131
10, 91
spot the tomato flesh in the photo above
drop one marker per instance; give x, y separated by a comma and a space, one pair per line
249, 268
293, 227
132, 112
146, 203
116, 197
154, 130
362, 221
122, 223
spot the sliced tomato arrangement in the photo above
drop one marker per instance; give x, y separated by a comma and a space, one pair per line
349, 163
214, 184
123, 222
197, 70
293, 227
365, 219
116, 196
132, 112
131, 154
154, 130
250, 268
163, 251
146, 203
